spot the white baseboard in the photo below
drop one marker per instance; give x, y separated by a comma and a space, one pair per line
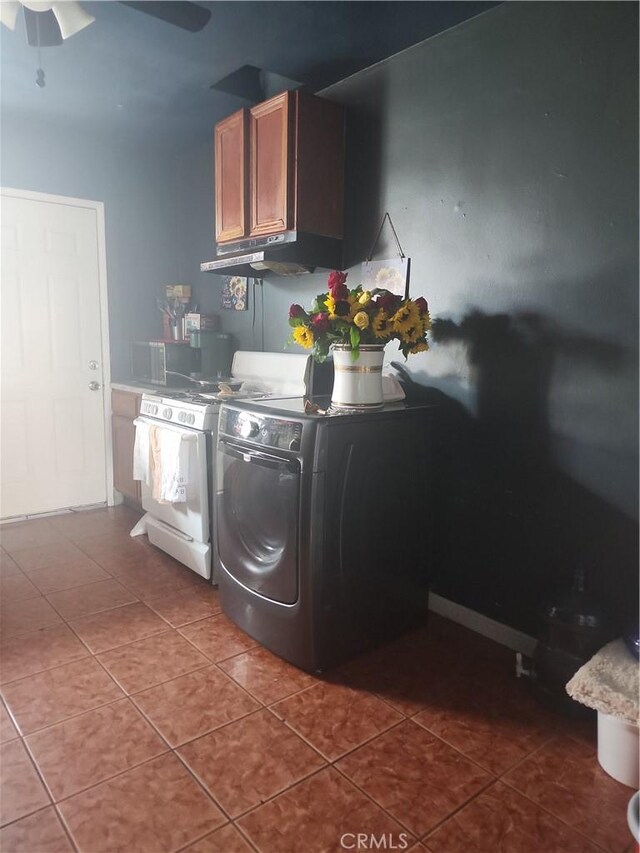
503, 634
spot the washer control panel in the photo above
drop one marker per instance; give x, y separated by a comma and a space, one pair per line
278, 433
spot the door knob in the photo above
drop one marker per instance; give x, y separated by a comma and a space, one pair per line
93, 365
94, 386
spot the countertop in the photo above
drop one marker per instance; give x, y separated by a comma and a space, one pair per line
134, 387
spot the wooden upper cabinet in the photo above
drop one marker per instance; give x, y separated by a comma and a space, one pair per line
280, 166
231, 152
270, 165
319, 166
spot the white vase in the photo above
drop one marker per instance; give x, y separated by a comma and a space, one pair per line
357, 384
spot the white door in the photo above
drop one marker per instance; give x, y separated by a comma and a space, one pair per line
52, 427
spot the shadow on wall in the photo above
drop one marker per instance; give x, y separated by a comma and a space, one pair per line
363, 169
511, 527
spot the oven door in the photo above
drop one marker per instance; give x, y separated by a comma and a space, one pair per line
190, 517
257, 509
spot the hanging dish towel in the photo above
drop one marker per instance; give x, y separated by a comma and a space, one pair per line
141, 451
169, 465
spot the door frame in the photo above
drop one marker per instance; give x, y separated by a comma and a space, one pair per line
98, 207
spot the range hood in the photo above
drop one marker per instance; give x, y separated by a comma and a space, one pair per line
287, 253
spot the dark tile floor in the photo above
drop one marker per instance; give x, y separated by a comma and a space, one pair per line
136, 717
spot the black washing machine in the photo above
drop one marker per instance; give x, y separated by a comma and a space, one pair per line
323, 525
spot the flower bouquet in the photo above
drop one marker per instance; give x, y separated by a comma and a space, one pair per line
352, 318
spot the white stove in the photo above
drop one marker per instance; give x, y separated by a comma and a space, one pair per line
195, 409
187, 421
190, 409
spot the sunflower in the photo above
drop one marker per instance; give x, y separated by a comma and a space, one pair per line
412, 335
304, 336
382, 325
330, 304
423, 346
406, 317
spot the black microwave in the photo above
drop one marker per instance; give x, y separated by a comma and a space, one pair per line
161, 362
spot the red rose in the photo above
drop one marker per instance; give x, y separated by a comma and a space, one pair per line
321, 323
296, 311
340, 291
336, 278
421, 302
389, 303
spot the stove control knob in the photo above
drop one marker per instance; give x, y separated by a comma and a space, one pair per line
249, 429
166, 413
182, 417
154, 410
191, 419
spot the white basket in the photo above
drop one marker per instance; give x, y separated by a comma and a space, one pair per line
618, 749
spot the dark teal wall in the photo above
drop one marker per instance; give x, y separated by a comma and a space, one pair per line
137, 184
506, 151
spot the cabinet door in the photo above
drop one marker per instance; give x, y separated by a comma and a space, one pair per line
124, 433
271, 164
230, 176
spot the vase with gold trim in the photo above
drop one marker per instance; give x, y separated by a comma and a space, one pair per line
357, 383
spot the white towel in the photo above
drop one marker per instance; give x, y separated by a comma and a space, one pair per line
141, 464
608, 682
169, 465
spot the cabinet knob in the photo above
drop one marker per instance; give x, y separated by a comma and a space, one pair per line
94, 386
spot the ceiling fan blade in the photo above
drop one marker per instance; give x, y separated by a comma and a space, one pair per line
71, 18
42, 28
187, 16
9, 13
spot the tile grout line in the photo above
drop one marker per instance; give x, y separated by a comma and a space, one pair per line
74, 717
198, 736
44, 568
70, 625
490, 784
95, 612
40, 779
317, 748
147, 760
66, 828
148, 686
273, 796
510, 785
264, 802
43, 809
475, 760
419, 837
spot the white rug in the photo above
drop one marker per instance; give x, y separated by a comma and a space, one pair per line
608, 682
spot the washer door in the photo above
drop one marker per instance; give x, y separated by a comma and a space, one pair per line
258, 497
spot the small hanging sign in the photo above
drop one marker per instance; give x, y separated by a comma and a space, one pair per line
234, 292
391, 274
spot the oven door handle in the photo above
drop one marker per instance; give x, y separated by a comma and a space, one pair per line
255, 457
186, 433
